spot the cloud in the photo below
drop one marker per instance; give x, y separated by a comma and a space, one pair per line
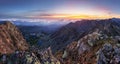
10, 16
100, 11
103, 9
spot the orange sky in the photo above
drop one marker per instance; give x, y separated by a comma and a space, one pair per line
75, 13
77, 16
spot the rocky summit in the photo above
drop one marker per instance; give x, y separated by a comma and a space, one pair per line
11, 39
99, 46
15, 50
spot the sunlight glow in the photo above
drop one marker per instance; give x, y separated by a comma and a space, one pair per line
67, 13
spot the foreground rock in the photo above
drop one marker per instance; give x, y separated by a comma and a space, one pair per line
11, 39
30, 57
99, 46
108, 54
20, 57
15, 50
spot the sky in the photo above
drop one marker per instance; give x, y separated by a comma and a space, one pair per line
54, 9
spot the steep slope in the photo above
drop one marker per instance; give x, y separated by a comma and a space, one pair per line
46, 57
69, 33
15, 50
100, 46
11, 39
74, 31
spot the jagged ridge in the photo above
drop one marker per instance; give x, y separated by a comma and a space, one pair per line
11, 39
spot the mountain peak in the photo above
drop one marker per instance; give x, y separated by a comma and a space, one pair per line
11, 39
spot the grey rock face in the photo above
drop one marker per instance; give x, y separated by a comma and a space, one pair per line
108, 55
20, 58
46, 57
29, 57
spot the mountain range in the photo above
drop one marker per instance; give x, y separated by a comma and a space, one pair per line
80, 42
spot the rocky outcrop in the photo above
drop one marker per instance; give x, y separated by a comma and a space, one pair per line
103, 51
14, 49
11, 39
46, 57
108, 54
30, 57
77, 30
20, 57
93, 48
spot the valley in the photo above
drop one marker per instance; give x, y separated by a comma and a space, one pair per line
81, 42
